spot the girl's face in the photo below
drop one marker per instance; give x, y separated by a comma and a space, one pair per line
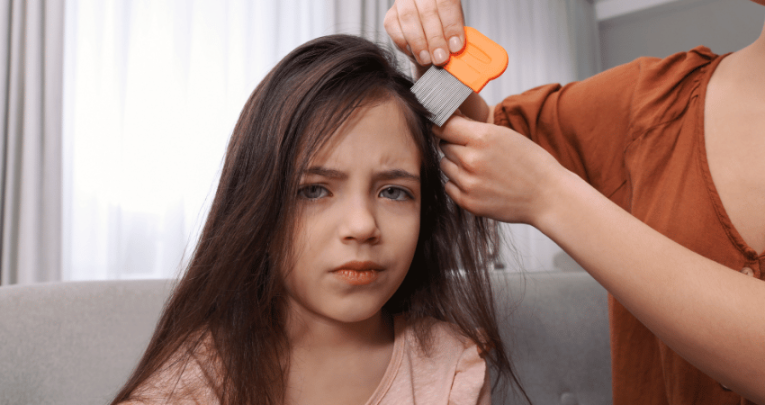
360, 218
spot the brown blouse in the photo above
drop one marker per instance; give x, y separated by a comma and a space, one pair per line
636, 133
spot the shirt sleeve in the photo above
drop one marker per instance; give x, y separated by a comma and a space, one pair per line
182, 380
471, 383
588, 125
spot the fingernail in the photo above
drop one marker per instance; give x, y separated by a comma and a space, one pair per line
424, 58
440, 56
455, 44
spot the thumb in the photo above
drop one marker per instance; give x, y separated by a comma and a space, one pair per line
458, 129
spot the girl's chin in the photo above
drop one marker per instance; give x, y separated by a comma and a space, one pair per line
356, 315
357, 309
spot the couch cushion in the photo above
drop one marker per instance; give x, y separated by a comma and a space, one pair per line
556, 328
74, 342
77, 342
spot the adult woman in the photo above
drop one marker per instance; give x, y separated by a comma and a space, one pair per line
332, 268
677, 143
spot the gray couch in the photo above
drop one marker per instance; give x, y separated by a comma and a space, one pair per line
75, 343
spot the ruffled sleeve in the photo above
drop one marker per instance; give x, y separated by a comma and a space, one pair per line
471, 379
182, 380
588, 125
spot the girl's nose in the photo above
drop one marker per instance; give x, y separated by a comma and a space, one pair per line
359, 222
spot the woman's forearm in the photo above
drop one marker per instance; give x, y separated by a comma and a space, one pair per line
703, 310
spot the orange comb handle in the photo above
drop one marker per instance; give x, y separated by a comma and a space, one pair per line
479, 61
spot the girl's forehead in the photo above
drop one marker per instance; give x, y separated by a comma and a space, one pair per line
376, 132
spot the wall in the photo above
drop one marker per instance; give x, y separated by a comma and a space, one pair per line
722, 25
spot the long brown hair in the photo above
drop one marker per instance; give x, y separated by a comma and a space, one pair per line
232, 292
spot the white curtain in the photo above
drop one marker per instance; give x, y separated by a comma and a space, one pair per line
154, 87
31, 60
547, 41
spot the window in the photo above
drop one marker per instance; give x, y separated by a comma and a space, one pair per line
153, 89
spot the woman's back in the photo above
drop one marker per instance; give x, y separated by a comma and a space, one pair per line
735, 139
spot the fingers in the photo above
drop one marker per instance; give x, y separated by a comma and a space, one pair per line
457, 130
460, 164
451, 169
393, 28
452, 172
434, 33
458, 186
411, 27
451, 151
454, 193
450, 12
426, 30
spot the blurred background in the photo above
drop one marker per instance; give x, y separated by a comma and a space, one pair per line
115, 113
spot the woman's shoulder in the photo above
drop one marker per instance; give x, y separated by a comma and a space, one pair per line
677, 62
647, 72
667, 85
635, 94
640, 94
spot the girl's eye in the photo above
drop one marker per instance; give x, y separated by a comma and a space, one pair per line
313, 192
395, 193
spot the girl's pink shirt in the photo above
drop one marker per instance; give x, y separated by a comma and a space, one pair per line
452, 373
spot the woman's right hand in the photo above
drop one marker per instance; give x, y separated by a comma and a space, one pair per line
427, 31
498, 173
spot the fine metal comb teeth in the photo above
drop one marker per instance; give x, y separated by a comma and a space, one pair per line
440, 93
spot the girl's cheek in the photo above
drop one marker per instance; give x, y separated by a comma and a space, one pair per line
405, 222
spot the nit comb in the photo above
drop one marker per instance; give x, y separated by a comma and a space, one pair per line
442, 90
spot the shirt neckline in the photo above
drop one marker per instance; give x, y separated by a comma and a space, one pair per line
399, 346
733, 235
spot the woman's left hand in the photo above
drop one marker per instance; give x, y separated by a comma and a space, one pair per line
496, 172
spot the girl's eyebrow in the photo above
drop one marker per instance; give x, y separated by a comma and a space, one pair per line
324, 172
396, 174
392, 174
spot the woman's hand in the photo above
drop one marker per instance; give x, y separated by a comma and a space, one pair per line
427, 31
496, 172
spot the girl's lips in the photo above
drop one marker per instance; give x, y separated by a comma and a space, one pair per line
357, 277
358, 272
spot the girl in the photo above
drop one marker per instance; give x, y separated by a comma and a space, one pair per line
332, 267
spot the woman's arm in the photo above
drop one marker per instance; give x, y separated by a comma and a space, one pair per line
695, 305
699, 308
